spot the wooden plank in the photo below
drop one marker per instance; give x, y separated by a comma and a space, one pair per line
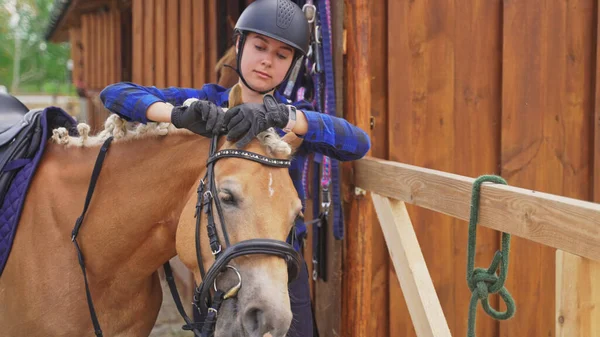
337, 15
478, 109
117, 75
91, 49
185, 35
93, 52
423, 304
173, 44
85, 54
88, 49
199, 43
149, 43
379, 315
212, 46
161, 22
98, 55
75, 36
137, 16
110, 46
596, 170
577, 297
569, 224
547, 107
357, 283
422, 99
107, 56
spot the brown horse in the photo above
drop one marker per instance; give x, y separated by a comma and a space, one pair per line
150, 174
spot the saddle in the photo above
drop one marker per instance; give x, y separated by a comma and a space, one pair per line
18, 144
22, 143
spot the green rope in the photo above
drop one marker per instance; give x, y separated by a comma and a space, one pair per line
483, 281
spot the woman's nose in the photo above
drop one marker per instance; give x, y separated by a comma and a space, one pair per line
266, 62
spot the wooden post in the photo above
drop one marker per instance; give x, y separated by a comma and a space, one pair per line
421, 298
137, 17
577, 294
357, 287
185, 39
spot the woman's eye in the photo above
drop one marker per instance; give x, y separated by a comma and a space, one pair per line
259, 47
282, 57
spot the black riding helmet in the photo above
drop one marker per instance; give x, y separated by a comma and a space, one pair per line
281, 20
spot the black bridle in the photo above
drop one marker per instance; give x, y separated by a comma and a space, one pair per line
206, 299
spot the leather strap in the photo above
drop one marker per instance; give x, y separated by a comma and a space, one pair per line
79, 222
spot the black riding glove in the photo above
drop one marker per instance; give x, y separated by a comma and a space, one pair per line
202, 117
250, 119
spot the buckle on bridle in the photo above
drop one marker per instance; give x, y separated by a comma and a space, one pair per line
217, 251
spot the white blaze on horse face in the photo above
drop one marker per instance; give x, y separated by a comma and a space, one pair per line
271, 190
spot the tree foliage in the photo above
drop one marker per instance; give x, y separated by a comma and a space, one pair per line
27, 61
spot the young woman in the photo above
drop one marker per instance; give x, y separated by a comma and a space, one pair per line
270, 36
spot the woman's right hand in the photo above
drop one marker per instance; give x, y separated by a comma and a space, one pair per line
202, 117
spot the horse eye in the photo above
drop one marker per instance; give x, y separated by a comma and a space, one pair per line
226, 197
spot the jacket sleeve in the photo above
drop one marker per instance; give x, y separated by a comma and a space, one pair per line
131, 101
334, 137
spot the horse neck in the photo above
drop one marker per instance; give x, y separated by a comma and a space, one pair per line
143, 186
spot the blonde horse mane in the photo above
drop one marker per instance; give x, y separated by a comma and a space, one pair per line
122, 130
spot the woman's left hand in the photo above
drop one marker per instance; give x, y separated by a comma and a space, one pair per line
250, 119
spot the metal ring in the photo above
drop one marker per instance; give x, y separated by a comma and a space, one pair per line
312, 14
234, 290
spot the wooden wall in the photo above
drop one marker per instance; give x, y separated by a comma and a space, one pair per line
154, 42
174, 42
478, 87
101, 58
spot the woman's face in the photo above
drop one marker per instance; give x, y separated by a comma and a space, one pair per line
265, 61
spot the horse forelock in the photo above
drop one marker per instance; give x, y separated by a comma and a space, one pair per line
274, 144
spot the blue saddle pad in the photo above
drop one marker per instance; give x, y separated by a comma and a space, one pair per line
20, 160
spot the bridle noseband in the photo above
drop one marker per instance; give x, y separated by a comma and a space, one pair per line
207, 304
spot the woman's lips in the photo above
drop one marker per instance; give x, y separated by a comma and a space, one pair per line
262, 75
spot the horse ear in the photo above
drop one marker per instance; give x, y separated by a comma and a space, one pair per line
235, 96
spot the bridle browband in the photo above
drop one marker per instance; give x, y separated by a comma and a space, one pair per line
207, 297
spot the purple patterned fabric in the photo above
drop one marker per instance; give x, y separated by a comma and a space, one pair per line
10, 212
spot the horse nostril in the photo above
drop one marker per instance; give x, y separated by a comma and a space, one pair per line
254, 322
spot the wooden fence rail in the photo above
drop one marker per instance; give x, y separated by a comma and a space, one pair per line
568, 224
